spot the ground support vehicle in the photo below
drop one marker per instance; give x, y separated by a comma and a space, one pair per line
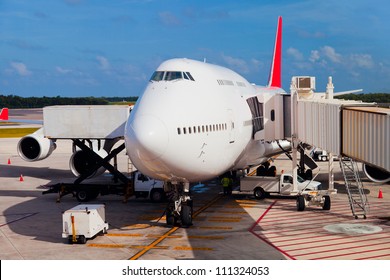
309, 192
143, 187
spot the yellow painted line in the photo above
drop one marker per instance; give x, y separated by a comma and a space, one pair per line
159, 235
143, 247
153, 244
224, 221
246, 202
184, 248
227, 212
139, 226
125, 234
218, 228
239, 206
206, 237
151, 217
172, 230
106, 245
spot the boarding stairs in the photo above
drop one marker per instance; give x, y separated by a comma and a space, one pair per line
356, 195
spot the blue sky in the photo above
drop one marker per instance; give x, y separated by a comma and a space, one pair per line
111, 48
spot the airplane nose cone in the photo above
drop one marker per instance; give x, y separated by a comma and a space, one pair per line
147, 137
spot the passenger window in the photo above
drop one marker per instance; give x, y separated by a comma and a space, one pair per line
178, 130
184, 130
189, 130
194, 129
272, 115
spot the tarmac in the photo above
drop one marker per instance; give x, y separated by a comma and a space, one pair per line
236, 227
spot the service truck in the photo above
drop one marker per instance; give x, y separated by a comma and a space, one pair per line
144, 186
309, 191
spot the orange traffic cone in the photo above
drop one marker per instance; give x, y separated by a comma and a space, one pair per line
21, 178
9, 161
380, 194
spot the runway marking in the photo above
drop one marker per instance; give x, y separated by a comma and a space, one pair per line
139, 226
124, 234
206, 237
159, 235
168, 233
217, 228
225, 220
301, 235
144, 247
185, 248
106, 245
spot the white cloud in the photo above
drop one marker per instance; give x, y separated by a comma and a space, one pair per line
362, 60
20, 68
104, 64
62, 70
236, 63
296, 54
314, 56
331, 53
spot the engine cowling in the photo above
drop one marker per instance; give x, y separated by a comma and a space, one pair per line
80, 163
35, 146
375, 174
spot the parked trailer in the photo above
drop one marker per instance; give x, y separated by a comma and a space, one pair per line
309, 192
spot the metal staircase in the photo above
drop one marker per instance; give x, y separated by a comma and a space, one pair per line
357, 198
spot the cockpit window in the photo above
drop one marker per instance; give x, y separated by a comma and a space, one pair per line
157, 76
170, 76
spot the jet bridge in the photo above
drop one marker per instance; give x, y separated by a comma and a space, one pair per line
351, 130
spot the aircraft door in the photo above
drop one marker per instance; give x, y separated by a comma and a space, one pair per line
230, 127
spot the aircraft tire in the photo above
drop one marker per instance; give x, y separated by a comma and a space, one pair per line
82, 195
186, 216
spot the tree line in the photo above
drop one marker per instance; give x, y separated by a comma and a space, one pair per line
14, 101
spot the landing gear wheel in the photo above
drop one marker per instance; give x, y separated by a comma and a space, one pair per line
170, 218
186, 215
326, 203
301, 203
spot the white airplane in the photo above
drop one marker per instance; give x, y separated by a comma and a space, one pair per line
196, 121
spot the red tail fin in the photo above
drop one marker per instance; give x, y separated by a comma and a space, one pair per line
4, 114
275, 75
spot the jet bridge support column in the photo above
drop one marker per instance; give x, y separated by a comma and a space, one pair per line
294, 135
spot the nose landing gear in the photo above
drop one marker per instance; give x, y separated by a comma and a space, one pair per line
180, 208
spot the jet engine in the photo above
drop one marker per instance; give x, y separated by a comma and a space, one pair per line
375, 174
35, 146
80, 162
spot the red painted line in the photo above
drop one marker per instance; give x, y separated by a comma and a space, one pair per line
338, 249
352, 253
374, 257
251, 230
341, 243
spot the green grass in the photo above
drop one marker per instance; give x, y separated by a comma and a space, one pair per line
16, 132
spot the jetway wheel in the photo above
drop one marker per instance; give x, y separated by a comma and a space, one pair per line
326, 202
301, 203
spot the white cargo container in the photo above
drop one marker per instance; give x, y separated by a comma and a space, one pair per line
83, 221
85, 122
